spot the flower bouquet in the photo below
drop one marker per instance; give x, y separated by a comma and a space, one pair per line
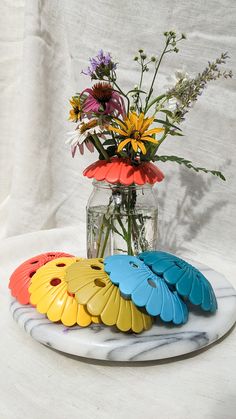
127, 130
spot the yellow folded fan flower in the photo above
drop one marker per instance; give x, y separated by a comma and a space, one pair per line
93, 288
135, 130
49, 294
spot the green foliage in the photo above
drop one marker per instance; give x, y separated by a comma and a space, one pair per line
109, 141
136, 91
167, 124
188, 164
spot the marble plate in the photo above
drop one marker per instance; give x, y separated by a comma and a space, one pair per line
162, 341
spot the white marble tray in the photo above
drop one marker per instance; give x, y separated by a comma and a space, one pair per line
162, 341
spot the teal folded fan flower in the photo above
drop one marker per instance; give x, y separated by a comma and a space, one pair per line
188, 281
161, 283
146, 289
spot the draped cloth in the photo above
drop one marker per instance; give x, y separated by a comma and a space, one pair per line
45, 45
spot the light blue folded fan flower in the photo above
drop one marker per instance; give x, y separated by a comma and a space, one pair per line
188, 281
146, 289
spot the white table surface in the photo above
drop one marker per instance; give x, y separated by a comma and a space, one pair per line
38, 383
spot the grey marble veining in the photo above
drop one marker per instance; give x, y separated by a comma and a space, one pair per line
162, 341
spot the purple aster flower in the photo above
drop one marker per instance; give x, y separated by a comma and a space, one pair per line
88, 72
100, 66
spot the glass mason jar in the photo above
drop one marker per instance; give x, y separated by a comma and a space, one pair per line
121, 219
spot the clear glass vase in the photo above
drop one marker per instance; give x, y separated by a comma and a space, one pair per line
121, 219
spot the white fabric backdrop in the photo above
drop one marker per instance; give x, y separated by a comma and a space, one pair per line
45, 45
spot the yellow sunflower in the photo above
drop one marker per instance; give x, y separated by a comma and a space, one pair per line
135, 130
76, 111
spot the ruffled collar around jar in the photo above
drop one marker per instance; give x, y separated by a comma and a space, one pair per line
118, 170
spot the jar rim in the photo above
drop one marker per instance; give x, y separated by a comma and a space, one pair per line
107, 185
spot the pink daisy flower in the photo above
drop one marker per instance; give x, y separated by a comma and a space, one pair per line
103, 99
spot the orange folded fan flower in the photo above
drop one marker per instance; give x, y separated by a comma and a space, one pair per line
21, 278
119, 170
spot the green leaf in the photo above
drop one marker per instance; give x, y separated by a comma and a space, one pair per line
136, 90
189, 165
169, 113
111, 150
123, 154
109, 141
157, 99
104, 133
172, 132
167, 123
